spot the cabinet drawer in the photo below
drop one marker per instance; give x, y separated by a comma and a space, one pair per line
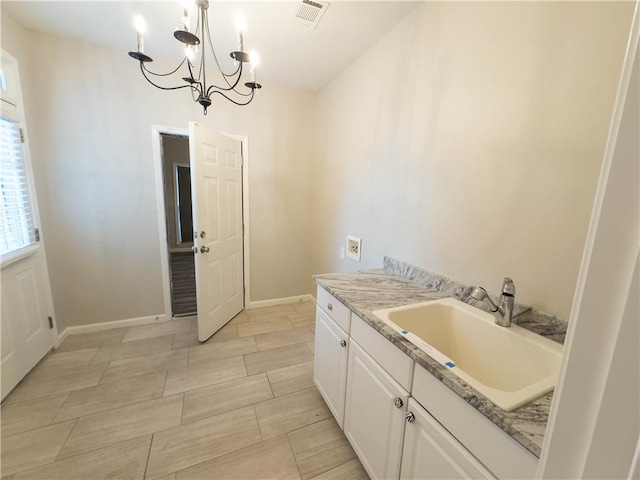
393, 360
494, 448
334, 308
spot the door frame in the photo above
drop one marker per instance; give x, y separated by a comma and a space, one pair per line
577, 406
156, 141
38, 249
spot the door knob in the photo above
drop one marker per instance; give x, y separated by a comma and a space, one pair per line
204, 249
203, 234
343, 343
398, 402
410, 417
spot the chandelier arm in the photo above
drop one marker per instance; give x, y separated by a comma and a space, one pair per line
163, 74
200, 89
232, 88
232, 100
234, 73
142, 69
216, 89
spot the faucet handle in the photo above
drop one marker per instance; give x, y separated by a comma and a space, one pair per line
508, 287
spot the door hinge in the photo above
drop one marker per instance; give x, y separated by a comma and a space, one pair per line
36, 234
21, 135
50, 322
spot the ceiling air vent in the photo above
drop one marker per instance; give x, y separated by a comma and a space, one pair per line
310, 12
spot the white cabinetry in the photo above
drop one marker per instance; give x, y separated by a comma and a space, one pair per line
367, 381
330, 366
430, 452
502, 455
374, 414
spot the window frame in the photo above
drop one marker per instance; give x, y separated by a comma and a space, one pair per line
15, 113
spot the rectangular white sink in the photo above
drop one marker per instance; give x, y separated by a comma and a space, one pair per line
511, 366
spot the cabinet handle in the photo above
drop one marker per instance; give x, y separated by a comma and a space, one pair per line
343, 343
410, 417
398, 402
329, 307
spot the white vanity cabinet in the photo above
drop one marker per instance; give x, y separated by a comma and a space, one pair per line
370, 385
430, 452
374, 414
331, 352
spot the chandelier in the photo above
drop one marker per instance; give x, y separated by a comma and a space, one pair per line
195, 60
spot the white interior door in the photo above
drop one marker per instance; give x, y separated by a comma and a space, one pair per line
216, 183
25, 326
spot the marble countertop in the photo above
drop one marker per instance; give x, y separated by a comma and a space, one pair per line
366, 291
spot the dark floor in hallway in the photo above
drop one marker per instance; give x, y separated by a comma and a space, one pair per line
183, 283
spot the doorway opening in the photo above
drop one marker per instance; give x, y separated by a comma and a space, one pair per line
179, 222
176, 219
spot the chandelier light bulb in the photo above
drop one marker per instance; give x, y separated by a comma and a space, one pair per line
189, 51
140, 24
186, 10
186, 22
241, 24
141, 27
255, 61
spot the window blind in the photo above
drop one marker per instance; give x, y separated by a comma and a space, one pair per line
16, 214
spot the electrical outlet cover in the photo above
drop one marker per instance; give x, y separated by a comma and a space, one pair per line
354, 247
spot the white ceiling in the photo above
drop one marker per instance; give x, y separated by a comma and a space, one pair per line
290, 53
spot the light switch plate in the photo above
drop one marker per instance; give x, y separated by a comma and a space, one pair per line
354, 247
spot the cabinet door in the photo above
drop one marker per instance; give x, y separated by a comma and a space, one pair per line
330, 364
374, 414
431, 452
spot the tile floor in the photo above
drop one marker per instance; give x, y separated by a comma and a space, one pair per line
153, 402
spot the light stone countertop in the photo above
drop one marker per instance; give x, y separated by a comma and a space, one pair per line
366, 291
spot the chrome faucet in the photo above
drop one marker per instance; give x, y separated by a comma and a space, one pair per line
504, 310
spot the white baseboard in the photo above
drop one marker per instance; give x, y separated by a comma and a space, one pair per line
62, 337
281, 301
134, 322
97, 327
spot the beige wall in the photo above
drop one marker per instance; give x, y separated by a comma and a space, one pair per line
469, 140
89, 115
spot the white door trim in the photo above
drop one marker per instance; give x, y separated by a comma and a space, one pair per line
245, 213
19, 115
156, 142
605, 274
